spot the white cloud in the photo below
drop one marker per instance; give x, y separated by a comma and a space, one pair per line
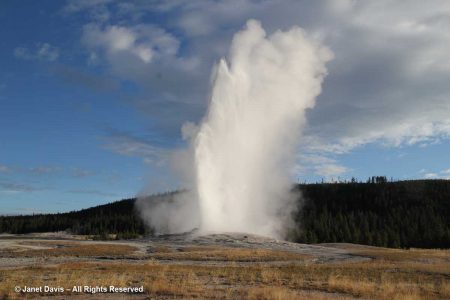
443, 174
380, 89
38, 171
330, 170
45, 169
125, 144
430, 175
81, 173
4, 169
97, 9
6, 186
42, 52
319, 165
120, 43
47, 52
112, 38
388, 82
22, 52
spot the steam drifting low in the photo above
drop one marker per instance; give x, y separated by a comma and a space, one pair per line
244, 148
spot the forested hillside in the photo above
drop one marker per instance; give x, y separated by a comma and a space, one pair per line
394, 214
115, 218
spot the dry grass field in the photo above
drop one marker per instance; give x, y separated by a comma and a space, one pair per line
44, 249
229, 254
213, 272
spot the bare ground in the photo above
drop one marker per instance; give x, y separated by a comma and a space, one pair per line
15, 249
220, 266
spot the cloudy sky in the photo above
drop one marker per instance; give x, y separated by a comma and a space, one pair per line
93, 93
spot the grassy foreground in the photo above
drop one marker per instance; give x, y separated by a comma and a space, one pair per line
224, 273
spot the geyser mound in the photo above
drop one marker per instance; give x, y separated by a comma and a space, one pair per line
244, 148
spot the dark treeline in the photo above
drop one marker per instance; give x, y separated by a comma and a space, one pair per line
403, 214
114, 218
381, 213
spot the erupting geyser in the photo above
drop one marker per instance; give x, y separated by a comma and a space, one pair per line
244, 148
245, 145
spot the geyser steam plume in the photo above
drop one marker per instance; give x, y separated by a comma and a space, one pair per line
244, 148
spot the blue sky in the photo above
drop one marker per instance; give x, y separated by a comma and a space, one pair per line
93, 94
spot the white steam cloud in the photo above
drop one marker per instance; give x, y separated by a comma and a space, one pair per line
244, 148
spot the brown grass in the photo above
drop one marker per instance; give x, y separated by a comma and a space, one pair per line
64, 248
381, 278
282, 293
389, 254
230, 254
